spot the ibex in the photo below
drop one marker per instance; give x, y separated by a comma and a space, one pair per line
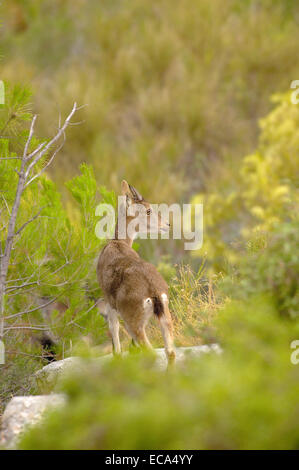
133, 289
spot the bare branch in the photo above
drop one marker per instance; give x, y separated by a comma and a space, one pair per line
21, 286
47, 165
32, 310
77, 123
38, 149
82, 106
15, 351
25, 291
29, 221
10, 237
51, 142
29, 327
29, 137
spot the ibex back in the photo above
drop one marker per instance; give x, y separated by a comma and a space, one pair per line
133, 289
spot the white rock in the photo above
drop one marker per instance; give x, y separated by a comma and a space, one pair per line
47, 376
22, 412
183, 353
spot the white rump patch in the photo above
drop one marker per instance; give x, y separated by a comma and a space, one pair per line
148, 309
164, 297
147, 302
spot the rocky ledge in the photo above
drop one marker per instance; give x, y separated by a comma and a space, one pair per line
24, 411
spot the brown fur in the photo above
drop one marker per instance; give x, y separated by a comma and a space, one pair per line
128, 282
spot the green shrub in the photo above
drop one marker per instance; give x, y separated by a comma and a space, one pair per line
263, 194
168, 85
246, 398
53, 257
271, 266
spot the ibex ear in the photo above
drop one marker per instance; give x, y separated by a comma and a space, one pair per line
125, 191
136, 195
132, 194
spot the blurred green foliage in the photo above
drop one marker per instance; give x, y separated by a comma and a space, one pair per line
264, 194
51, 283
174, 90
271, 266
247, 398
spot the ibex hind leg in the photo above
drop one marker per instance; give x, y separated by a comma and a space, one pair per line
113, 323
135, 325
167, 331
139, 337
146, 313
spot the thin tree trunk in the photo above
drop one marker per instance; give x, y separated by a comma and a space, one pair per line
9, 241
23, 182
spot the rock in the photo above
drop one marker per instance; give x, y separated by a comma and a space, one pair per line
48, 376
22, 412
183, 353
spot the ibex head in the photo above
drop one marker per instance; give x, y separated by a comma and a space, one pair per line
141, 211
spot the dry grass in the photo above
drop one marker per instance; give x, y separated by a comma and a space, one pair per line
193, 307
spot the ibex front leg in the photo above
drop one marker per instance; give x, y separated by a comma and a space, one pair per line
113, 324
